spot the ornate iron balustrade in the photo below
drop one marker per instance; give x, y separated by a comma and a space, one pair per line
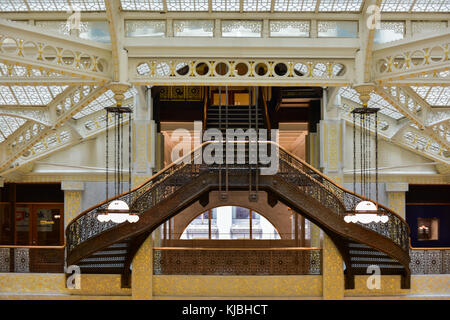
430, 261
326, 191
24, 259
237, 261
184, 170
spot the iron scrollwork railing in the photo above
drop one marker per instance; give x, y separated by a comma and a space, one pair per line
220, 261
147, 195
327, 192
184, 170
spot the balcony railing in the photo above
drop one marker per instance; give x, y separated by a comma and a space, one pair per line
430, 260
23, 259
237, 261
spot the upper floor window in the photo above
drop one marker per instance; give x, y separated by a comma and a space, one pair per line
337, 29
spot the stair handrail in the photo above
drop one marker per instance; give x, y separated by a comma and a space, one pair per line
342, 193
335, 184
266, 111
159, 173
326, 183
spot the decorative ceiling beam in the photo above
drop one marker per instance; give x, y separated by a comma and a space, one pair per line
116, 31
410, 58
101, 16
406, 102
32, 114
270, 48
53, 144
368, 25
26, 139
47, 81
34, 48
400, 140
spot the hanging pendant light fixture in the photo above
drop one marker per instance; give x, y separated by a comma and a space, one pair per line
118, 211
365, 211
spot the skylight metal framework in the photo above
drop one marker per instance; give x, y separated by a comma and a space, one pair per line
225, 5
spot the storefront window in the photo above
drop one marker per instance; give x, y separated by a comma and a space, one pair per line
428, 229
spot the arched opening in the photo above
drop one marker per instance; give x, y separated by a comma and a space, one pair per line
230, 222
234, 237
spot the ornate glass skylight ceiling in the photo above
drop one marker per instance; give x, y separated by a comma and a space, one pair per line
21, 71
8, 125
28, 95
434, 96
227, 5
247, 5
52, 5
105, 100
375, 102
415, 6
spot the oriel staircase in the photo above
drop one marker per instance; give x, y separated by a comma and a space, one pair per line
109, 248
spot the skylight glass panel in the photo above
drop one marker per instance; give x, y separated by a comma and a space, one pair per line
431, 6
142, 5
13, 5
424, 27
52, 5
8, 125
343, 5
187, 5
257, 5
396, 5
295, 5
193, 28
96, 31
55, 26
434, 96
242, 28
145, 28
28, 95
289, 28
225, 5
337, 29
47, 5
375, 102
390, 31
385, 107
105, 100
87, 5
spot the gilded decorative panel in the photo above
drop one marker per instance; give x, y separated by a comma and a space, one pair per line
142, 271
44, 283
237, 262
390, 285
429, 261
237, 286
140, 150
21, 260
333, 271
139, 179
72, 201
4, 259
397, 202
181, 93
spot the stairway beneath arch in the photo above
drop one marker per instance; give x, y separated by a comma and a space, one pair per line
108, 248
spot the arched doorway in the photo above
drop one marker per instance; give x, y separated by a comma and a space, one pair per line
230, 222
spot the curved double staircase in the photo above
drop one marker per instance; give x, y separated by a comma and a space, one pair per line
98, 247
